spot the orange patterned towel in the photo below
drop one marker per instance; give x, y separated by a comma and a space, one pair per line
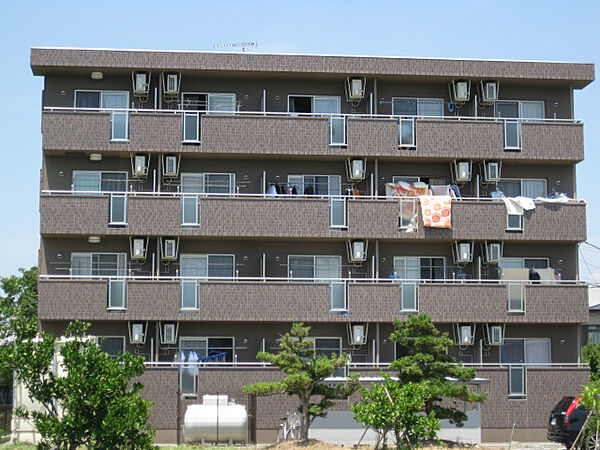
436, 210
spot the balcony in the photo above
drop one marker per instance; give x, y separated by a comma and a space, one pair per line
270, 133
243, 215
284, 300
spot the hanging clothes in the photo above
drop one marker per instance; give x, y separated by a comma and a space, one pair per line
272, 191
517, 205
436, 211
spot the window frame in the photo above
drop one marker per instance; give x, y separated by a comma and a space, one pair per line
329, 184
337, 98
102, 92
198, 280
313, 278
340, 340
520, 106
91, 262
508, 224
99, 173
418, 100
521, 180
101, 337
207, 110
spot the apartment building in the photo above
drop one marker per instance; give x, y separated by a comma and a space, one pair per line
194, 204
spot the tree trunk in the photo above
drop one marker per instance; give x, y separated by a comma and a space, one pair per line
305, 418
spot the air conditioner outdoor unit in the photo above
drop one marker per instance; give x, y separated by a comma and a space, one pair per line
170, 250
493, 252
357, 334
172, 84
139, 249
169, 334
490, 172
170, 168
461, 171
462, 252
460, 91
495, 335
355, 88
141, 84
466, 335
356, 168
140, 168
489, 92
137, 333
357, 251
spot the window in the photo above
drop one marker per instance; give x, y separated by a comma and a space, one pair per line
321, 268
203, 267
112, 345
531, 188
115, 183
107, 265
592, 334
514, 222
516, 297
114, 101
316, 184
329, 106
197, 104
408, 109
514, 112
524, 263
412, 270
201, 349
518, 353
330, 346
193, 184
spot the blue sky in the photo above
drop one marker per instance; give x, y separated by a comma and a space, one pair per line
503, 29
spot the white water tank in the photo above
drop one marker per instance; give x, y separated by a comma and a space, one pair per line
216, 420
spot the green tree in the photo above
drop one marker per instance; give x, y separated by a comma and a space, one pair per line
89, 399
590, 399
394, 407
426, 360
591, 355
304, 375
18, 314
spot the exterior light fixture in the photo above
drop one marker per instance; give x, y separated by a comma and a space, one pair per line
94, 239
95, 157
97, 75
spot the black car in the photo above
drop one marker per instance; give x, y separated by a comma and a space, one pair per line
566, 420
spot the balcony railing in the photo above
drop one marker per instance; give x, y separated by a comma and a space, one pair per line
122, 125
241, 214
324, 299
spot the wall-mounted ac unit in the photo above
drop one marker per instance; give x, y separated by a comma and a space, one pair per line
140, 166
172, 84
355, 88
495, 334
492, 252
169, 249
462, 252
138, 249
488, 92
168, 333
357, 251
141, 83
490, 172
356, 169
464, 334
461, 171
357, 333
171, 166
460, 91
137, 333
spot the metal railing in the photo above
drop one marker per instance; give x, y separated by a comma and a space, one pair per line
240, 195
262, 280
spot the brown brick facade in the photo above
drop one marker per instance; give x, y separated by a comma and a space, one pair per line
42, 58
372, 219
309, 302
309, 136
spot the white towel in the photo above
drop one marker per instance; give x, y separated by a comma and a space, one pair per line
516, 205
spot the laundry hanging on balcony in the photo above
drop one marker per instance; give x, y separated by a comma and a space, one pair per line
517, 205
436, 211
